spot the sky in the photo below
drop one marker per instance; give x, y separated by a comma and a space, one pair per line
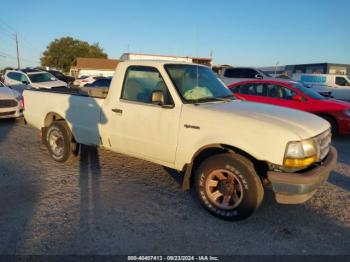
245, 33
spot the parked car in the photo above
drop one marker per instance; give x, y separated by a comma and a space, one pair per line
296, 95
181, 116
60, 76
230, 75
26, 78
11, 102
84, 80
102, 82
339, 85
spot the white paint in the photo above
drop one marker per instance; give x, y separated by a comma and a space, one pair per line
159, 135
133, 57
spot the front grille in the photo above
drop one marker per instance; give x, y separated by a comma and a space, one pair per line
7, 113
324, 143
8, 103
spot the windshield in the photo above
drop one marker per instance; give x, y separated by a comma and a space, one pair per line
41, 77
264, 73
308, 91
56, 73
197, 83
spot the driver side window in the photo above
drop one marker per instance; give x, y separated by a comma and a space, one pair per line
141, 81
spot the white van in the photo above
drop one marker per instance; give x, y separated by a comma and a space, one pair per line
339, 85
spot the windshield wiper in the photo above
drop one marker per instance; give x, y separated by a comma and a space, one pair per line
227, 97
211, 99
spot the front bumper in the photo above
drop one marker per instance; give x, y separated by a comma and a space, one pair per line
296, 188
13, 112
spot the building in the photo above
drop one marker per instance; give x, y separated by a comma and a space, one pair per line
318, 68
188, 59
93, 67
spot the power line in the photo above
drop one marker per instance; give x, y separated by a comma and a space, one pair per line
8, 26
15, 58
11, 32
6, 33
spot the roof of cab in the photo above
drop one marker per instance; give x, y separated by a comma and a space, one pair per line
157, 62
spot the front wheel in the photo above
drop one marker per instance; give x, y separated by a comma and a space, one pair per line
228, 186
59, 141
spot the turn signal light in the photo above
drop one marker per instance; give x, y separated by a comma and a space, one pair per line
303, 162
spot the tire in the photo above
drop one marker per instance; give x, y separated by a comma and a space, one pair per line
228, 186
333, 123
59, 141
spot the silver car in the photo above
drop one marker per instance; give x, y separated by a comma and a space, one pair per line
11, 102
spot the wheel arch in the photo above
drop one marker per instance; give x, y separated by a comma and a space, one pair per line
51, 117
213, 149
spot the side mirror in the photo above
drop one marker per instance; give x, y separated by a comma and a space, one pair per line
25, 82
298, 98
258, 76
158, 97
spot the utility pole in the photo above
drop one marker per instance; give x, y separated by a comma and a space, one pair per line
18, 63
276, 68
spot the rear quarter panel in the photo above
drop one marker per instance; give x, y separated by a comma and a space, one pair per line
82, 114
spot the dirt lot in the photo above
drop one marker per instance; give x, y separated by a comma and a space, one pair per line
106, 203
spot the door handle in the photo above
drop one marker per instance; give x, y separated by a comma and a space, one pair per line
117, 110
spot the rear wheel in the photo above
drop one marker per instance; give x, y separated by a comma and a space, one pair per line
59, 141
228, 186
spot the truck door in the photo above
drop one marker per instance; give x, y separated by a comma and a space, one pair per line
145, 130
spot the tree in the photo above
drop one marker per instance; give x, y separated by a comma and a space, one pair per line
61, 53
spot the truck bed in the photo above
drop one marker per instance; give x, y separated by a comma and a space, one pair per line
84, 91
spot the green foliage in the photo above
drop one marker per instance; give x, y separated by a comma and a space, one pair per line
62, 52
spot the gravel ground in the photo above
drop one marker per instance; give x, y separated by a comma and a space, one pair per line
107, 203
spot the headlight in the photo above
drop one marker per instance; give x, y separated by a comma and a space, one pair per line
347, 112
300, 154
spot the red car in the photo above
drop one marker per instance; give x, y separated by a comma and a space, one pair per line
295, 95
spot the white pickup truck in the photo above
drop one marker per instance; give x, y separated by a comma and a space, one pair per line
181, 116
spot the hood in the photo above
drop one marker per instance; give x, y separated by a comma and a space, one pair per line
49, 84
263, 131
8, 93
264, 116
340, 105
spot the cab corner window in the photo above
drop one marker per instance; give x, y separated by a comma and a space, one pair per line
140, 82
